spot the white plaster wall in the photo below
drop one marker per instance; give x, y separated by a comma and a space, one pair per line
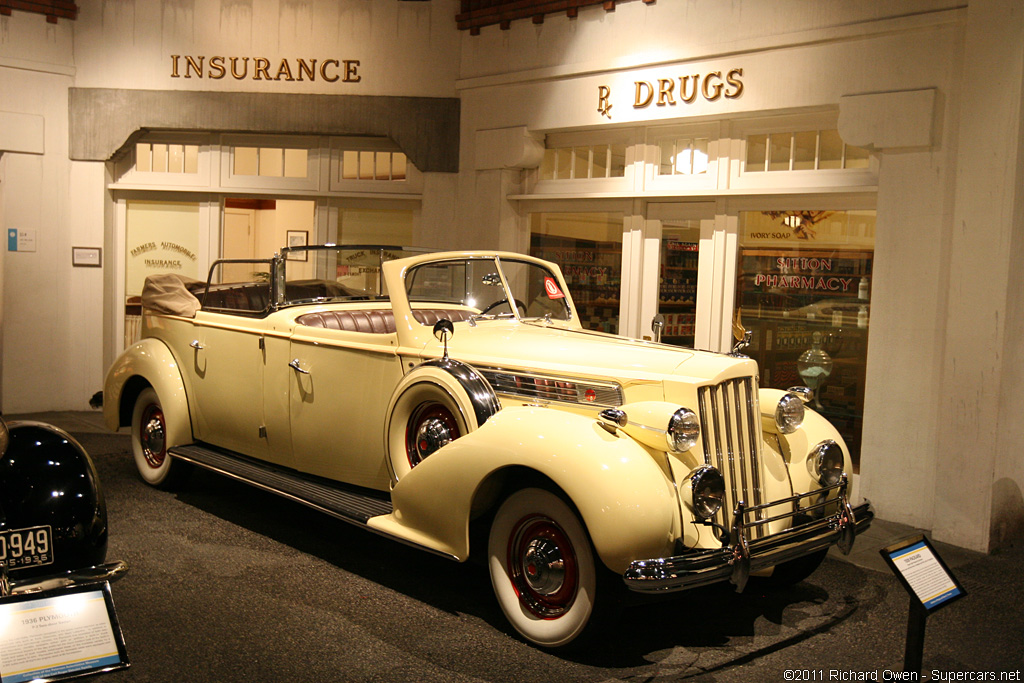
38, 363
403, 48
980, 438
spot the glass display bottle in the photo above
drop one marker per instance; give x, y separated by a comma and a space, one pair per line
814, 366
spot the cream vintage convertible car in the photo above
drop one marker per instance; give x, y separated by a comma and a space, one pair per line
454, 402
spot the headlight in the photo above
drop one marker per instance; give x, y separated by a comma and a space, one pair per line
708, 488
828, 462
789, 413
683, 430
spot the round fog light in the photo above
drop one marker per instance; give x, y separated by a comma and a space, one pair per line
708, 488
828, 462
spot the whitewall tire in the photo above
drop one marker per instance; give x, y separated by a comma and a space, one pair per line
542, 567
149, 443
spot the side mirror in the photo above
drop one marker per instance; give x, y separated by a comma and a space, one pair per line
443, 331
657, 325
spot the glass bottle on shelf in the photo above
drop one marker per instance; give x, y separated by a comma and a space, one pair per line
814, 367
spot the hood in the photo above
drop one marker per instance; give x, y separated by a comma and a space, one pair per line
548, 349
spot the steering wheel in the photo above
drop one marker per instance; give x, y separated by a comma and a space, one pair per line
519, 306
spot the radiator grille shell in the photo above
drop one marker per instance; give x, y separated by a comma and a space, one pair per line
730, 420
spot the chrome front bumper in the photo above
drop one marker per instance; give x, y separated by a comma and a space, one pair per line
112, 571
742, 555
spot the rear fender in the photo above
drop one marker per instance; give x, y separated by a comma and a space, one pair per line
624, 498
147, 363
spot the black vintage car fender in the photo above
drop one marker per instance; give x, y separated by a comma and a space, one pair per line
47, 480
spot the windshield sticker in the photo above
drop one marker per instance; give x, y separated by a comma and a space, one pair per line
551, 287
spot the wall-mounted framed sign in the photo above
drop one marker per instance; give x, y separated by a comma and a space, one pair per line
86, 257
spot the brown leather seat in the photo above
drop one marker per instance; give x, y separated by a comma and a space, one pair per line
375, 322
429, 316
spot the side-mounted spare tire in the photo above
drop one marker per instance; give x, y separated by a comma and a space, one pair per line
435, 403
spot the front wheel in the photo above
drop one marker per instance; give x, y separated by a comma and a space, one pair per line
149, 444
542, 567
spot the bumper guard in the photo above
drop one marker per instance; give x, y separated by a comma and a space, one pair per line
743, 555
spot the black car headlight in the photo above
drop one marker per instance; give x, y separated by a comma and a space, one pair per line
708, 489
789, 413
828, 461
683, 430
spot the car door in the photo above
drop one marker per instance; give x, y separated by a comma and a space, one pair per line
227, 382
340, 385
226, 364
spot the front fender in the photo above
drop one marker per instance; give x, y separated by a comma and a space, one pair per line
797, 446
625, 499
148, 362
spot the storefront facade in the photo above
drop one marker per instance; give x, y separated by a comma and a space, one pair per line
839, 182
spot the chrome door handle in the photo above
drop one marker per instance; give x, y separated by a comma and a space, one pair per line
294, 365
196, 345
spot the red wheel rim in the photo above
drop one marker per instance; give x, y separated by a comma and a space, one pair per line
152, 436
431, 426
542, 566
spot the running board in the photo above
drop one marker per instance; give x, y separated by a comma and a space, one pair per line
346, 503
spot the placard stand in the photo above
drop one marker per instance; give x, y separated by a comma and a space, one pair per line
930, 584
60, 634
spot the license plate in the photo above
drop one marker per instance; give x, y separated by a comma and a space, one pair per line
20, 548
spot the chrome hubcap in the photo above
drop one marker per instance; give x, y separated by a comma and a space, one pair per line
432, 435
431, 427
543, 568
152, 436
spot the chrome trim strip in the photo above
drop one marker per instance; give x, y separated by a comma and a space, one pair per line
535, 386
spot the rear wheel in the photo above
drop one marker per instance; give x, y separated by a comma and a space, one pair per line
542, 567
149, 443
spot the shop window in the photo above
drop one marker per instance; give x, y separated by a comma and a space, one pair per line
160, 157
160, 237
586, 162
814, 150
588, 249
804, 291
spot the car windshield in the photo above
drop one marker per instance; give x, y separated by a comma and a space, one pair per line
336, 273
494, 287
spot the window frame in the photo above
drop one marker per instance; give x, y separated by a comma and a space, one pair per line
630, 138
803, 179
229, 179
412, 184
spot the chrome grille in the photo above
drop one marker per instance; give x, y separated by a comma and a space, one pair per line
533, 387
731, 431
